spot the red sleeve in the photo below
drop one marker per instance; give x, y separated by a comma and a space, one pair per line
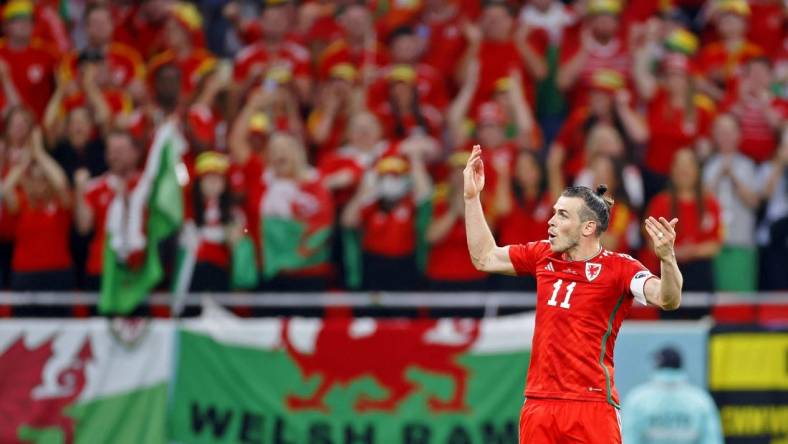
525, 257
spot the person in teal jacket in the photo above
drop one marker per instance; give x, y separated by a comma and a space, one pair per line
668, 409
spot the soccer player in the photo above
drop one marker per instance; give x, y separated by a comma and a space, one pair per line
584, 292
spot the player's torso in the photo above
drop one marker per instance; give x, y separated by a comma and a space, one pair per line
579, 309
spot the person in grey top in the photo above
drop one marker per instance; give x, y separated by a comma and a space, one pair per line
772, 233
729, 175
668, 409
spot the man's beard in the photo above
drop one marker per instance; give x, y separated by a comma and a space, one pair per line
571, 242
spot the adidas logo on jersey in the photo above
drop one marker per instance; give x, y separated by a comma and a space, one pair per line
549, 267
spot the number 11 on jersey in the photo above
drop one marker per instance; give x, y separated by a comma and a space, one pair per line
556, 288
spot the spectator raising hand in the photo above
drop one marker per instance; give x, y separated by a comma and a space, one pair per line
36, 191
388, 212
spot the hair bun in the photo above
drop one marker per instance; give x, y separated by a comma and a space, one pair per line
601, 190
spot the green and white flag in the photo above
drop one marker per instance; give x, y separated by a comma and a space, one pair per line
76, 381
136, 224
312, 381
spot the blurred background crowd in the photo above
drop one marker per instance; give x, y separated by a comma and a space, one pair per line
332, 134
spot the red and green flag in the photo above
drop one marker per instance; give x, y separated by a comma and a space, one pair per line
296, 227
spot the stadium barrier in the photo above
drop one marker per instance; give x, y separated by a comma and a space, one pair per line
221, 378
727, 307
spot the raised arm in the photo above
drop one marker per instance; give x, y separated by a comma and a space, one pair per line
53, 172
503, 201
419, 176
485, 254
238, 141
441, 226
569, 72
366, 193
53, 122
645, 81
664, 292
321, 120
10, 183
524, 118
7, 84
459, 107
634, 124
535, 63
102, 114
779, 166
83, 213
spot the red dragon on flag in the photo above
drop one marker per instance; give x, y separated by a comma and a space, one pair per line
21, 371
385, 354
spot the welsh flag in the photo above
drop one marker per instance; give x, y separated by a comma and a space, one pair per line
343, 380
137, 222
85, 381
296, 225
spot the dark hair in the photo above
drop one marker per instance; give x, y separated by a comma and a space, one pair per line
700, 203
668, 357
89, 56
399, 124
519, 192
400, 32
165, 95
596, 206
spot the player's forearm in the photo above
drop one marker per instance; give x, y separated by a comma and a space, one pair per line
481, 242
670, 284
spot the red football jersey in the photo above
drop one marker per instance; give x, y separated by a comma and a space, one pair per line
41, 242
99, 194
580, 308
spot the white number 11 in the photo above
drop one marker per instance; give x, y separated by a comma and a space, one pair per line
556, 287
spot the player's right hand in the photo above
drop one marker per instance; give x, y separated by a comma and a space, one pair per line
474, 174
663, 236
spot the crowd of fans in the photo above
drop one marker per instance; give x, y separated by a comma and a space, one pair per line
333, 133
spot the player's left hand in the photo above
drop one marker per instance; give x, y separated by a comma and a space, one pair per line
663, 236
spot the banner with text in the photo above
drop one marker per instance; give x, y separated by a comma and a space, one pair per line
342, 381
84, 381
748, 376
